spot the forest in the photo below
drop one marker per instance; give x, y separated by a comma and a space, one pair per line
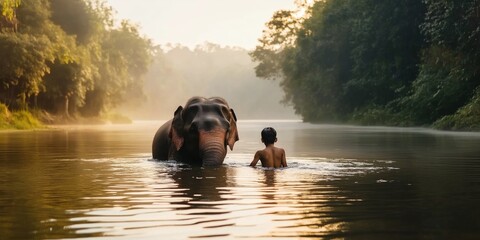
391, 62
65, 60
69, 57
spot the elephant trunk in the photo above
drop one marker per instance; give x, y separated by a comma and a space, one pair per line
212, 147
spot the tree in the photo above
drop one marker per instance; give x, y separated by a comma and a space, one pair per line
71, 74
122, 64
450, 67
276, 46
26, 54
35, 21
23, 64
347, 57
386, 42
78, 18
67, 54
280, 35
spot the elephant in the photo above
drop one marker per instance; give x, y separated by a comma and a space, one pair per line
198, 134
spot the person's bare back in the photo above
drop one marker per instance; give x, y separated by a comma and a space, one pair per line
271, 156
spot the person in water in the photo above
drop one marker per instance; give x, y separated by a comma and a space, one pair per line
271, 156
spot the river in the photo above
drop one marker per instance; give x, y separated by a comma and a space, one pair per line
342, 182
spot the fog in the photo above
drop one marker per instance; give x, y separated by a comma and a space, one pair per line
178, 73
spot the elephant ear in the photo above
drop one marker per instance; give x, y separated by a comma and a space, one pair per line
232, 135
176, 130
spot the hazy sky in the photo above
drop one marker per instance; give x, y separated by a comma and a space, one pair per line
191, 22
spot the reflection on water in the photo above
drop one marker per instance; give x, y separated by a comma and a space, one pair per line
342, 182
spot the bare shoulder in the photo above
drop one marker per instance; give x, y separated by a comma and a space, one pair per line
280, 150
260, 153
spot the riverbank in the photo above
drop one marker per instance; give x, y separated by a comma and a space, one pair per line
25, 120
465, 120
18, 119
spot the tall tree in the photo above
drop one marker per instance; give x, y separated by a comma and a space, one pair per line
386, 41
122, 63
348, 57
26, 53
70, 78
67, 55
23, 64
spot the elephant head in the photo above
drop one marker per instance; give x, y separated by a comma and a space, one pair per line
201, 131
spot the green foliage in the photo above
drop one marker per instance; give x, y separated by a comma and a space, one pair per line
17, 119
122, 64
380, 115
453, 24
67, 57
8, 8
319, 65
280, 34
441, 87
388, 62
467, 118
4, 116
449, 71
23, 64
346, 56
75, 18
385, 51
24, 120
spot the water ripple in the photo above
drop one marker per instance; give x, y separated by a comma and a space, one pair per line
150, 199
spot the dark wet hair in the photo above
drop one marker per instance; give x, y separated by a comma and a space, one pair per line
269, 135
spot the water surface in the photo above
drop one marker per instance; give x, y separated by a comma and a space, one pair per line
342, 182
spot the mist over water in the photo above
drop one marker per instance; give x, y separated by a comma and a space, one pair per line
342, 182
209, 70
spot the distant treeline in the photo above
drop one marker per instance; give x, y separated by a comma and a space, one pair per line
389, 62
69, 57
209, 70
